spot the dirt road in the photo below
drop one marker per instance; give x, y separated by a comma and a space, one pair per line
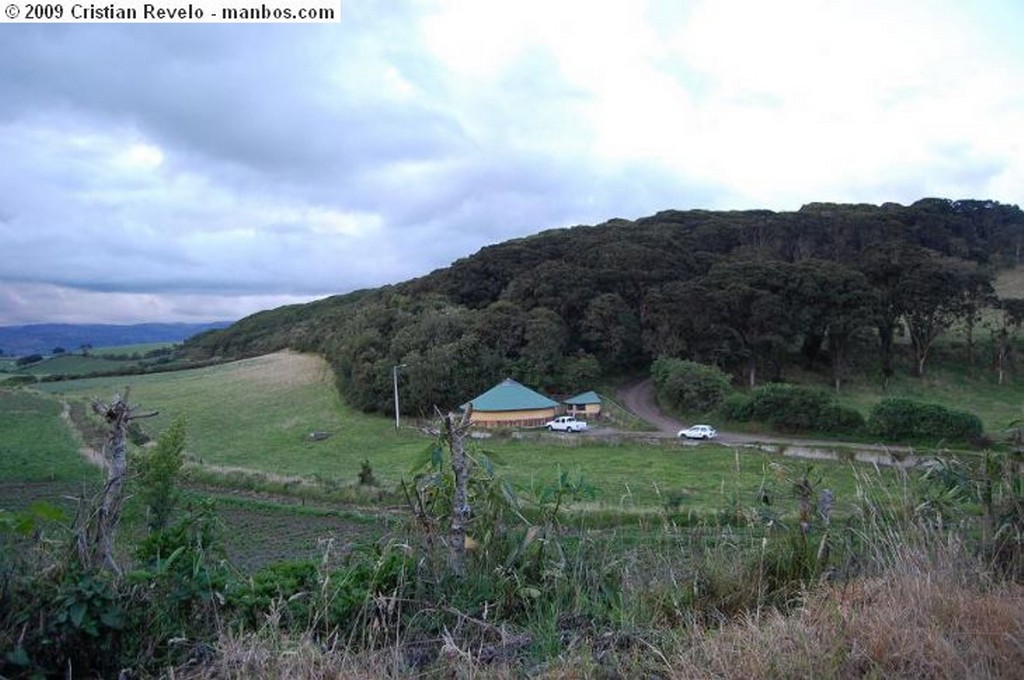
639, 398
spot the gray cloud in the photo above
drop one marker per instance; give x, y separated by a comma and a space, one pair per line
182, 172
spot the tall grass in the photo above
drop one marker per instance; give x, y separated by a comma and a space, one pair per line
903, 595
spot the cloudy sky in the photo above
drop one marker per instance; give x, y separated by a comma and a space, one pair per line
202, 172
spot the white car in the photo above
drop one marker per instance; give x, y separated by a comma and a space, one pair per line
698, 432
566, 424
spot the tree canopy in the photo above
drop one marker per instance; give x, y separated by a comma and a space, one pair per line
742, 290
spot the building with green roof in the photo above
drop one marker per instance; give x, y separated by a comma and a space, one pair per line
510, 404
587, 404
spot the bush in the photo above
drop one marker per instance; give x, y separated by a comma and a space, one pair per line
793, 408
736, 407
15, 380
689, 386
898, 418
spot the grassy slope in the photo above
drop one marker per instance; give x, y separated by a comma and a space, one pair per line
35, 443
74, 364
258, 413
128, 350
948, 380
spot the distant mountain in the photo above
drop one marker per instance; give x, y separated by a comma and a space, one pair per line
43, 338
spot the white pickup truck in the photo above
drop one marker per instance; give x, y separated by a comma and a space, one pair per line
566, 424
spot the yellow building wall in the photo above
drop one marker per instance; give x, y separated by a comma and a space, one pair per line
583, 410
529, 418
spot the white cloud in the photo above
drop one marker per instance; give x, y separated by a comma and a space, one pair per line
20, 304
272, 161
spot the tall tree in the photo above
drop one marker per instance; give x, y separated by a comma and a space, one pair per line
611, 331
1011, 319
748, 305
977, 296
885, 264
833, 302
931, 295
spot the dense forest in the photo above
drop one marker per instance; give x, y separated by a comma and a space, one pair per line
830, 286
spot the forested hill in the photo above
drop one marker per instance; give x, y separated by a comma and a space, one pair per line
749, 291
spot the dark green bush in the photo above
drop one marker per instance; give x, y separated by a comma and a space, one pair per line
689, 386
289, 582
793, 408
19, 380
899, 418
736, 407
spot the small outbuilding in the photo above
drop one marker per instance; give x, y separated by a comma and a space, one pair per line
510, 404
586, 405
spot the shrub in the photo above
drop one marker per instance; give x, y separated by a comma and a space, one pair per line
159, 472
899, 418
15, 380
736, 407
793, 408
689, 386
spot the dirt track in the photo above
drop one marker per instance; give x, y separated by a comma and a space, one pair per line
639, 398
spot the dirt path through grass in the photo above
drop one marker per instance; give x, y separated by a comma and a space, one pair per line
90, 454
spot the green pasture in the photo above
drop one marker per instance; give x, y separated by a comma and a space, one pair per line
36, 445
257, 415
139, 349
74, 364
953, 386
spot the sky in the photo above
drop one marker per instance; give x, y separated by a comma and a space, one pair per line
204, 172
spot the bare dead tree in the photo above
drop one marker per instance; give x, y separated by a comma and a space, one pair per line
96, 541
455, 436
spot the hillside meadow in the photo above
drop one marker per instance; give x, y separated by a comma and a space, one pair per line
689, 560
258, 414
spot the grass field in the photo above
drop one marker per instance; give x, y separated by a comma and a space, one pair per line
949, 383
101, 360
40, 461
36, 445
623, 570
257, 415
74, 364
131, 350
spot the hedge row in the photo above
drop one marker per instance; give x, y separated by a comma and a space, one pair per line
793, 408
897, 418
688, 386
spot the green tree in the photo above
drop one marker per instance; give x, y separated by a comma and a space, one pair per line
833, 302
1006, 332
159, 473
611, 331
688, 386
546, 339
748, 305
932, 295
978, 295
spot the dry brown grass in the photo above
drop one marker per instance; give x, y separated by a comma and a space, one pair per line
930, 610
935, 620
914, 623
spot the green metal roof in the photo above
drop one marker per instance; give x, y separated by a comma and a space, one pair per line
508, 395
585, 398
